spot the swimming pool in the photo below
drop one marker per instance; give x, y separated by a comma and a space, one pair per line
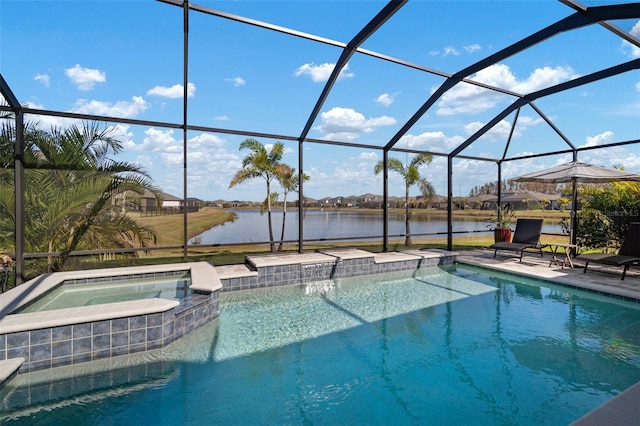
448, 345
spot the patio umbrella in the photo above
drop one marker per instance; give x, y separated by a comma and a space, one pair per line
577, 172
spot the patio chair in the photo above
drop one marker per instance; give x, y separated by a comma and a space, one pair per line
525, 237
628, 254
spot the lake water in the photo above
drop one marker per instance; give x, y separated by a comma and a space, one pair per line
250, 226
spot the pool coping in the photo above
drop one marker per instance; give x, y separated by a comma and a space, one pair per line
15, 323
9, 369
254, 263
536, 267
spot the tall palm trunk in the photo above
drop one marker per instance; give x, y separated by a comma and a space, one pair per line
272, 246
284, 215
407, 238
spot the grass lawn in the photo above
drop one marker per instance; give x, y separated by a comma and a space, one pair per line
170, 229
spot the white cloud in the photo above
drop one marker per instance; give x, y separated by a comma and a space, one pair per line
629, 49
46, 122
211, 165
434, 141
386, 99
221, 118
346, 123
468, 99
236, 81
269, 147
118, 109
601, 139
123, 133
206, 141
544, 77
450, 50
370, 156
43, 78
320, 73
85, 78
175, 91
161, 141
472, 48
500, 132
144, 161
34, 105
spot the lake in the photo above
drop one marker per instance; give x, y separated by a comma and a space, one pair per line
251, 227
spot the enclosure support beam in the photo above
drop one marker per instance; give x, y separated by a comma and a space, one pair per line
20, 198
301, 203
450, 203
385, 201
499, 163
185, 118
18, 164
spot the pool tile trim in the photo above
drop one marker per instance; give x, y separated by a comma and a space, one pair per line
75, 335
292, 268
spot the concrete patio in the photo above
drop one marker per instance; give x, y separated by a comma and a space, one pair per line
597, 279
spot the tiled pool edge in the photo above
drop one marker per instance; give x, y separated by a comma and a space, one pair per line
133, 326
274, 270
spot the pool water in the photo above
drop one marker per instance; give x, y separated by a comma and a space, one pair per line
71, 295
450, 345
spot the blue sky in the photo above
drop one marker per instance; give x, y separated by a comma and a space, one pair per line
124, 59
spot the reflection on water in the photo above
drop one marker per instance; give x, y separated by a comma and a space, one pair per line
251, 226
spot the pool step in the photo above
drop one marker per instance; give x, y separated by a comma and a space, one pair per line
8, 369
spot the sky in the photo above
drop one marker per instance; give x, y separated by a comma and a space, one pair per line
124, 59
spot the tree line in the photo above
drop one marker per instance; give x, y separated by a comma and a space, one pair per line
512, 186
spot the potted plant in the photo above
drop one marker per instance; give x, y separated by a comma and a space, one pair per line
501, 222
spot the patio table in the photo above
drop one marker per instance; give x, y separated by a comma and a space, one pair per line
567, 254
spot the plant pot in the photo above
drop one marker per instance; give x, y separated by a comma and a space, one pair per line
502, 235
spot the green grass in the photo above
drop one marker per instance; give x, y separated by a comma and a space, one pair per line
170, 228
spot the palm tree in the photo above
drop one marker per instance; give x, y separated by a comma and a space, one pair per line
563, 202
290, 182
545, 203
260, 164
411, 176
71, 191
428, 191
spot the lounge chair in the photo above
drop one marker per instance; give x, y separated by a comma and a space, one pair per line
628, 254
525, 237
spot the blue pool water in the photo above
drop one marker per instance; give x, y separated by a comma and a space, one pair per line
453, 345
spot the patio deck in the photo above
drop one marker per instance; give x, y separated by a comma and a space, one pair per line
598, 279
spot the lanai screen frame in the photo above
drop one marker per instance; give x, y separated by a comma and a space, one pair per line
582, 16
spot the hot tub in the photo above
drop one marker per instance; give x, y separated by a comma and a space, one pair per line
74, 334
